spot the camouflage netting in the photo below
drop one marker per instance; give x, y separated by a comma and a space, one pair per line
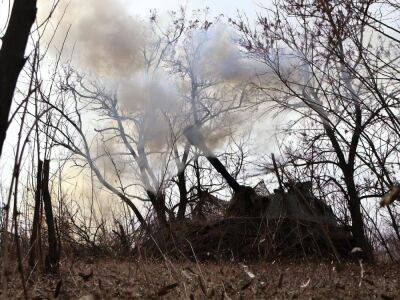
247, 238
292, 223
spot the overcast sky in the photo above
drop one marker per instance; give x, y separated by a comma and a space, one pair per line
227, 7
142, 7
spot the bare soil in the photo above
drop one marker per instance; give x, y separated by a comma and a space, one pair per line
111, 279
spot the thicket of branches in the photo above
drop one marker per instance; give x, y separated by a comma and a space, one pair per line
173, 144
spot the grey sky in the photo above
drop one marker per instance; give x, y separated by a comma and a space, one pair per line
227, 7
142, 7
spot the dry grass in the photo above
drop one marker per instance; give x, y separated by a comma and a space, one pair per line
172, 280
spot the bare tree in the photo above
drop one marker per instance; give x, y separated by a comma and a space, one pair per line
320, 64
12, 58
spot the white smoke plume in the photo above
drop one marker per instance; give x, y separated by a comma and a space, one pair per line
148, 92
217, 54
103, 36
152, 96
109, 42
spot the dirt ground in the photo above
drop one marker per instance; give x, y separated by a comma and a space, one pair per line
107, 279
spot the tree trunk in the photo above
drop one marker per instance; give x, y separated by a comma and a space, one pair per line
158, 202
357, 222
183, 201
123, 238
53, 254
34, 244
12, 58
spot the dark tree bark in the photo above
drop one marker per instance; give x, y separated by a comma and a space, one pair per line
181, 181
277, 172
158, 201
34, 244
53, 254
12, 58
357, 222
123, 238
183, 199
354, 202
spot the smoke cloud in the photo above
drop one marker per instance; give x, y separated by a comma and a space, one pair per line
151, 97
103, 36
217, 54
109, 42
148, 92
